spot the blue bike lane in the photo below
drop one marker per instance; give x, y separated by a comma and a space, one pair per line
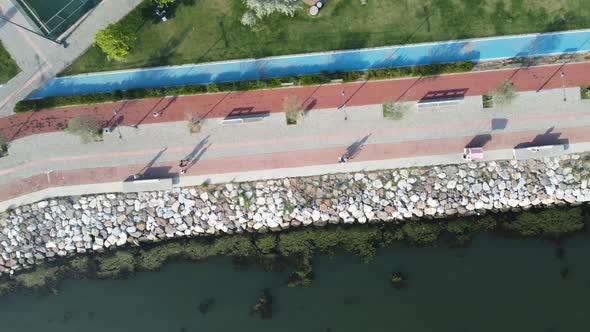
475, 50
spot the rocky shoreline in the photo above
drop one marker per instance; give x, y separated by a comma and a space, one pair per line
35, 233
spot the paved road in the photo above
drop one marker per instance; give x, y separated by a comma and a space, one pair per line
40, 59
220, 105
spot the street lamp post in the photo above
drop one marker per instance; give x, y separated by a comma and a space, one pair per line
563, 85
344, 104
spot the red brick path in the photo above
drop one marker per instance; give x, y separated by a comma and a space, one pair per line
328, 96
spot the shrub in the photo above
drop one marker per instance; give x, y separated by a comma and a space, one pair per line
3, 145
488, 101
426, 70
249, 19
212, 88
86, 127
351, 76
504, 94
266, 243
551, 223
420, 232
394, 111
39, 277
117, 264
314, 79
53, 102
162, 3
585, 92
194, 125
115, 41
293, 109
261, 8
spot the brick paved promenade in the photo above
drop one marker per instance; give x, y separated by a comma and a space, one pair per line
220, 105
320, 140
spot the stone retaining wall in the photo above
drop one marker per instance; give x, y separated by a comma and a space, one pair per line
34, 233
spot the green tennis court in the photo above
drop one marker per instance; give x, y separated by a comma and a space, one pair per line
53, 17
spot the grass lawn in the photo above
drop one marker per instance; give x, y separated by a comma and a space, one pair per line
209, 30
8, 68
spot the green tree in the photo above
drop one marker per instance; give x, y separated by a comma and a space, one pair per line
115, 41
86, 127
503, 94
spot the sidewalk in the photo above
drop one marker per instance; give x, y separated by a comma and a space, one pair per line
268, 166
40, 59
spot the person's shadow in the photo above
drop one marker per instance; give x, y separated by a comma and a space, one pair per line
355, 148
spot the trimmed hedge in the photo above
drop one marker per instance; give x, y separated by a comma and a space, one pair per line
323, 78
96, 98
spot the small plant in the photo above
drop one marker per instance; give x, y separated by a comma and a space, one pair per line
585, 92
206, 305
263, 307
3, 146
162, 3
212, 88
247, 201
488, 101
88, 128
314, 79
394, 111
194, 125
293, 109
504, 94
351, 76
399, 280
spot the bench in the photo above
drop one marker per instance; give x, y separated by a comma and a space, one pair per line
242, 119
537, 152
147, 185
433, 103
